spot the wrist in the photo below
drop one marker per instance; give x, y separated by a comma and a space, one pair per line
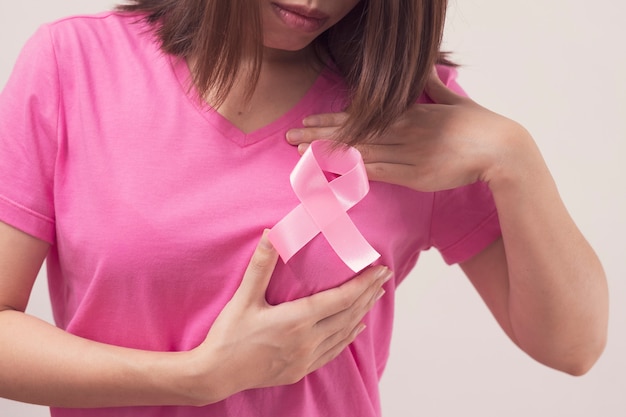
207, 376
203, 378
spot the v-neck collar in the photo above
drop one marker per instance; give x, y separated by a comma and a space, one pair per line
293, 117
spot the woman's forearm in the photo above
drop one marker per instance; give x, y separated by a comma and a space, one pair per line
42, 364
558, 298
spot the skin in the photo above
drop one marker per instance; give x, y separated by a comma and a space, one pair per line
542, 281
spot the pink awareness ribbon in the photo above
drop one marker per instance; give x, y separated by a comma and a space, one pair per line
324, 205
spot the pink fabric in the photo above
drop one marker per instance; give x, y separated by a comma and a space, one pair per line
154, 203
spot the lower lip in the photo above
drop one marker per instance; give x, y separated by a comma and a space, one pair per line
297, 21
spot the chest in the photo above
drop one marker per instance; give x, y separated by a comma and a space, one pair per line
196, 199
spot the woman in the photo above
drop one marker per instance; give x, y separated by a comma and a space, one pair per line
150, 153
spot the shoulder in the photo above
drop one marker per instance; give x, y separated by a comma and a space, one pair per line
104, 23
98, 34
102, 47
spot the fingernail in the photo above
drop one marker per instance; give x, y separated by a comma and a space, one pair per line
294, 135
359, 329
380, 294
385, 274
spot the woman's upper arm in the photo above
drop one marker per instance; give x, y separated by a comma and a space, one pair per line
21, 257
488, 273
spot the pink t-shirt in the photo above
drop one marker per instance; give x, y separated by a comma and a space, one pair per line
154, 203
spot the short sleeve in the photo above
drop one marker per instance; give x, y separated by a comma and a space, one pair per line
448, 76
464, 220
29, 114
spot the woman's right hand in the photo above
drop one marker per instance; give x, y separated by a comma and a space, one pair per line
253, 344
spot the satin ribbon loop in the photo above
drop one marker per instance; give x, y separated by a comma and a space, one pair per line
324, 205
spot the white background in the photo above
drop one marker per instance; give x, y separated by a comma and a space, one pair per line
557, 67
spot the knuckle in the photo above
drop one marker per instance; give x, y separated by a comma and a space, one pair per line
378, 169
356, 314
345, 333
324, 133
345, 301
338, 118
311, 134
262, 257
259, 264
308, 134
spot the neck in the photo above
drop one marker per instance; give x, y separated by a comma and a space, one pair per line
302, 57
284, 78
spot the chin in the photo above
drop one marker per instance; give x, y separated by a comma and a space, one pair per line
293, 45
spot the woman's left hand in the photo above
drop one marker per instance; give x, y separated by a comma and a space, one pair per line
447, 144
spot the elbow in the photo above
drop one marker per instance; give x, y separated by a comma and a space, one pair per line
581, 363
575, 358
579, 368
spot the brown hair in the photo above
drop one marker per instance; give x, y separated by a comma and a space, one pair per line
384, 49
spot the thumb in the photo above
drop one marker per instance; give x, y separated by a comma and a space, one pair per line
259, 271
438, 92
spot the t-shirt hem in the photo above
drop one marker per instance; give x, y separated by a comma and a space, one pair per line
27, 220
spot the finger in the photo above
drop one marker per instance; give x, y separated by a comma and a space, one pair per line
325, 120
339, 326
391, 173
317, 126
259, 270
334, 330
303, 147
330, 302
388, 153
336, 349
438, 92
309, 134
